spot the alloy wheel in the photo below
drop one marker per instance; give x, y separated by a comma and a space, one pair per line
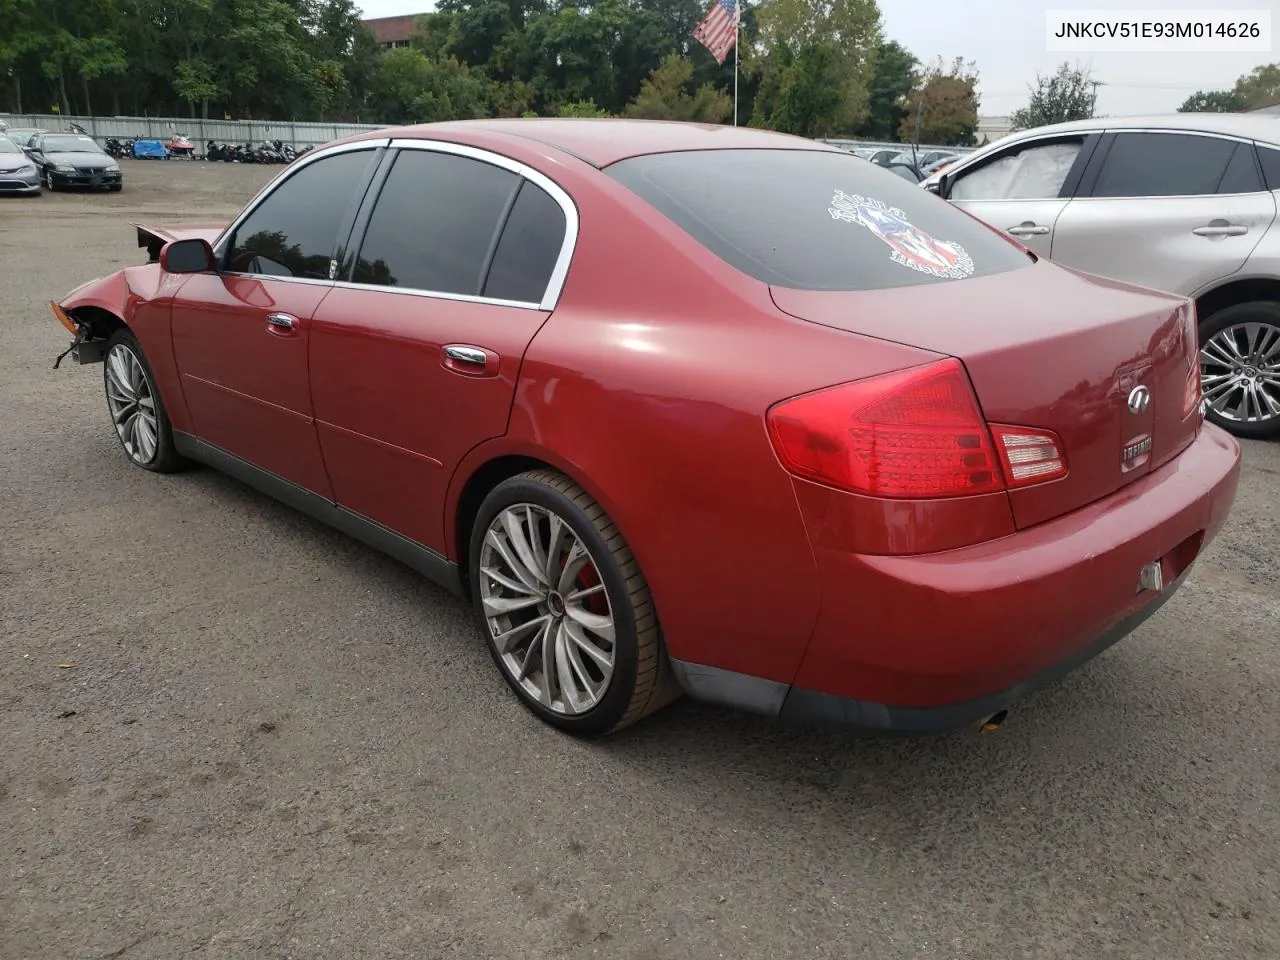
548, 612
1240, 372
132, 404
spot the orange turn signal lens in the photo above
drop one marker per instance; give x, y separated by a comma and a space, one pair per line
63, 319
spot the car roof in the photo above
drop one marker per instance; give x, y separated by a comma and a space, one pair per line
1248, 126
602, 141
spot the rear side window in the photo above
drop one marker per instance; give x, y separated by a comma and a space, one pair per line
1270, 157
434, 223
530, 246
816, 220
293, 232
1242, 174
1163, 165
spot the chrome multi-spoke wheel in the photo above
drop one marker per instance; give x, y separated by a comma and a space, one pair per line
565, 609
547, 609
132, 403
1240, 371
136, 409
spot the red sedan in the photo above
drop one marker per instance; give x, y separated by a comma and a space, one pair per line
684, 408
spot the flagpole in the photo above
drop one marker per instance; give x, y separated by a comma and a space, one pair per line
737, 36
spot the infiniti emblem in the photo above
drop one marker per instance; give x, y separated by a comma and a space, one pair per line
1139, 399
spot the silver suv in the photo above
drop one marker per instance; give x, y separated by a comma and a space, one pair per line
1183, 203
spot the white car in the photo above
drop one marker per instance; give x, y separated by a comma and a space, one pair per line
1184, 203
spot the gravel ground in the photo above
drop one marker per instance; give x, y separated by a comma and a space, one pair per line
230, 732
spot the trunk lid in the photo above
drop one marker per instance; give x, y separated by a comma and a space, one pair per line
1047, 348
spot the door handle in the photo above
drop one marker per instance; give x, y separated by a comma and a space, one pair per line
1220, 228
1028, 229
469, 361
279, 323
471, 355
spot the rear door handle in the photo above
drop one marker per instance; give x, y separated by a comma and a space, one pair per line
1220, 228
470, 361
1028, 229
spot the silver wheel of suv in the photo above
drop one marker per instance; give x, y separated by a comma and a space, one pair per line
1240, 372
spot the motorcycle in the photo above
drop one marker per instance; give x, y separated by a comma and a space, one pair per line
117, 148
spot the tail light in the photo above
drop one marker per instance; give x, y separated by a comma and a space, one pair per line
1029, 456
1193, 391
914, 434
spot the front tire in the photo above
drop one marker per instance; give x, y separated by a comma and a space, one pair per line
136, 408
49, 181
566, 611
1240, 368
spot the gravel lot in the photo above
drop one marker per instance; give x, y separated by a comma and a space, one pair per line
229, 732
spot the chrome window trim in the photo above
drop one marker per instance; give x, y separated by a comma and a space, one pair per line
436, 294
555, 284
269, 189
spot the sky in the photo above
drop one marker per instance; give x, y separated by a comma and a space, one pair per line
1006, 39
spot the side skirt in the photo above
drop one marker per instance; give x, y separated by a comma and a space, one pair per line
412, 554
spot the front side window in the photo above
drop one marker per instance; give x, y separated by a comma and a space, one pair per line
434, 223
292, 233
816, 219
1163, 165
1033, 172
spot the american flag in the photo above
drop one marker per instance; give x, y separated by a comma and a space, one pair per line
718, 31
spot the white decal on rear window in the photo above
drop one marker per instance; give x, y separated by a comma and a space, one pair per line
909, 245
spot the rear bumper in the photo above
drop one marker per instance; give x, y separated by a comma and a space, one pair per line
934, 642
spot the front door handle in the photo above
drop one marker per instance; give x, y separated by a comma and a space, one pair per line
1028, 229
1221, 228
281, 324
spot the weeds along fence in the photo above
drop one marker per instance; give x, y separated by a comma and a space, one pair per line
297, 135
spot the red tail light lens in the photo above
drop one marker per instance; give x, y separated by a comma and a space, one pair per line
913, 434
1029, 456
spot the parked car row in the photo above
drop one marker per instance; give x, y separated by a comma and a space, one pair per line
34, 159
1185, 204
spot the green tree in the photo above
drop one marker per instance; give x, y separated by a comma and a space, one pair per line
410, 87
836, 40
943, 105
1260, 87
891, 83
1068, 94
1212, 101
664, 96
582, 108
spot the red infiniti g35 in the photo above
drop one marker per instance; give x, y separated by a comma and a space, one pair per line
684, 408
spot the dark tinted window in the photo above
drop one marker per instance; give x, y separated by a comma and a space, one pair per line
529, 248
293, 231
1163, 165
815, 220
1270, 158
1242, 172
434, 223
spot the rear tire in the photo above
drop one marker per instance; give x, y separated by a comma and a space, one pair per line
136, 408
1240, 368
573, 631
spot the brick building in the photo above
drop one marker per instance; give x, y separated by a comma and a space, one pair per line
393, 32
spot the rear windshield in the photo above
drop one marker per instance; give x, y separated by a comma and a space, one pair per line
814, 220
